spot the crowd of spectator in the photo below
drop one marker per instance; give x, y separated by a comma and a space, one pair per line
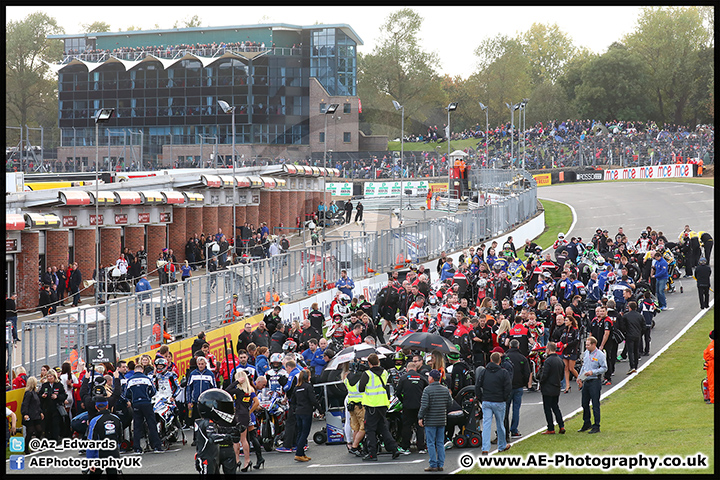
168, 51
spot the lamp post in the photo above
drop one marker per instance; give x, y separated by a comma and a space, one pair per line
523, 111
487, 129
512, 109
231, 110
402, 152
329, 110
450, 108
101, 116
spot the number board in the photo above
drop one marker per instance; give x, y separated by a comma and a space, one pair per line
97, 354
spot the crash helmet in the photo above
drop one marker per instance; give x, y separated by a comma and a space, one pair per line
644, 234
217, 405
402, 321
276, 358
497, 267
337, 318
454, 355
589, 245
538, 249
702, 261
433, 300
399, 359
289, 346
507, 252
611, 277
561, 235
161, 364
344, 299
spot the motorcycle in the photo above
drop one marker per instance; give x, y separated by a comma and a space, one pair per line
271, 421
394, 418
168, 421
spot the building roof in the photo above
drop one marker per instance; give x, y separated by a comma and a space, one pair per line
347, 29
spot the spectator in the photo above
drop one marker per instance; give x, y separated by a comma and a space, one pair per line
589, 381
494, 387
520, 377
53, 397
436, 402
550, 383
32, 412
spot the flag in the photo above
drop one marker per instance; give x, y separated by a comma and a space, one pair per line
359, 106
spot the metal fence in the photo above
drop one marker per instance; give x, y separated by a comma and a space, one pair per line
201, 302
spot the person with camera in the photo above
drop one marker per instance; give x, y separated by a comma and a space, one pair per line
376, 400
355, 409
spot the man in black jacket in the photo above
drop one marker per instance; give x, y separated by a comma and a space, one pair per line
409, 391
633, 324
521, 375
277, 339
272, 320
551, 377
198, 343
261, 336
494, 387
316, 317
702, 275
75, 284
44, 304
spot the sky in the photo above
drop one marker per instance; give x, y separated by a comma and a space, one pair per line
453, 32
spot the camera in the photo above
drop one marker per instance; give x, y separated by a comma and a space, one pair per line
358, 366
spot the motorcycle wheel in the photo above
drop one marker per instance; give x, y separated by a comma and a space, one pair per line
320, 437
265, 438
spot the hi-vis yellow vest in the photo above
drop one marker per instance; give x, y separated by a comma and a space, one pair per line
354, 395
375, 394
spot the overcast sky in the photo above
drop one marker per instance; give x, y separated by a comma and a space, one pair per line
452, 32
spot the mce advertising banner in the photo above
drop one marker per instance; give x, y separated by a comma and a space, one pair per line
651, 172
386, 189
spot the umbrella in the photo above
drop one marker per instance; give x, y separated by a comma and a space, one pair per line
426, 341
361, 350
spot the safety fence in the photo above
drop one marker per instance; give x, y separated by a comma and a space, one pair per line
204, 301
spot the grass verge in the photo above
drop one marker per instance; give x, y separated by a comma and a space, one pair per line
558, 218
660, 412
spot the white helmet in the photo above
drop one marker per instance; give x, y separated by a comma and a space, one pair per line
344, 299
561, 235
276, 358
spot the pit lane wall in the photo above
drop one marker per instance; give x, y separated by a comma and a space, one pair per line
684, 170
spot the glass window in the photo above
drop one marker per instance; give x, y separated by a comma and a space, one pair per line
322, 137
346, 137
346, 108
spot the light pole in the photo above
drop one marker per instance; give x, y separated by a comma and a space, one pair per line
231, 110
512, 109
101, 116
523, 111
450, 108
329, 110
402, 151
487, 129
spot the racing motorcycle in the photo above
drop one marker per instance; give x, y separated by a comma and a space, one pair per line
271, 421
168, 421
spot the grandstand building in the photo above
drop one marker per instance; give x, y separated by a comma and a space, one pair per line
165, 86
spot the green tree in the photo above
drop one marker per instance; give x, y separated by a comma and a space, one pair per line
548, 50
193, 21
398, 69
31, 89
504, 76
96, 27
669, 41
133, 28
613, 87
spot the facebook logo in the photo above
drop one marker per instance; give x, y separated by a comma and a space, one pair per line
17, 462
17, 444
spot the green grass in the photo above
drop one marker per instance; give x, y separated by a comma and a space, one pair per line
660, 412
558, 218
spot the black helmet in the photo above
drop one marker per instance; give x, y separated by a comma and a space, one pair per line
644, 233
217, 405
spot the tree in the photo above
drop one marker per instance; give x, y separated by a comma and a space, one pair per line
669, 41
398, 70
31, 90
613, 87
193, 21
504, 76
133, 28
96, 27
548, 50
